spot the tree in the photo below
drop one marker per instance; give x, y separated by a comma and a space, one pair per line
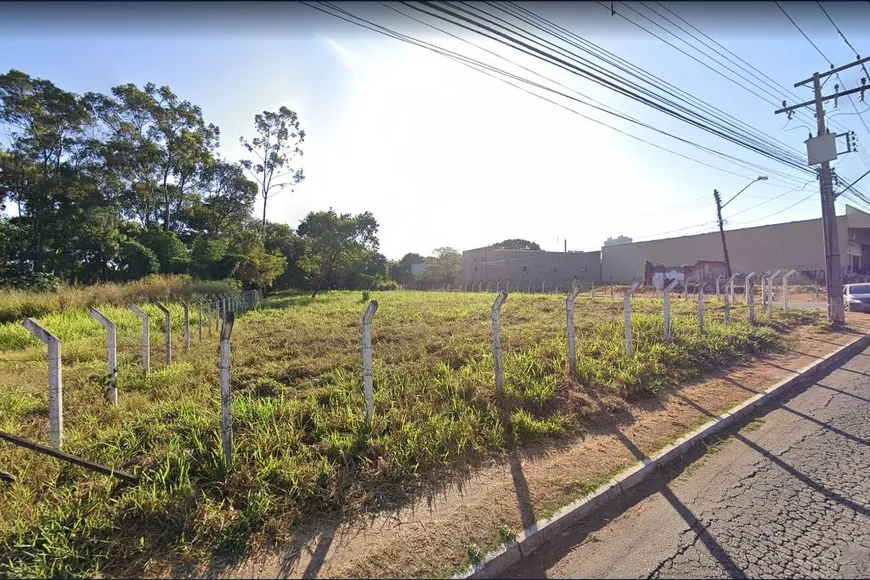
401, 273
281, 239
278, 141
158, 147
515, 244
135, 261
335, 244
49, 172
444, 268
227, 201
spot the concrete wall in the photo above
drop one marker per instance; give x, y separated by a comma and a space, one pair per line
524, 266
797, 245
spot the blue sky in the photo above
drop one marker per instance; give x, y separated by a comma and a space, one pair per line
443, 155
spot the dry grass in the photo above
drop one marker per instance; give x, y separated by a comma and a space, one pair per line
18, 304
302, 450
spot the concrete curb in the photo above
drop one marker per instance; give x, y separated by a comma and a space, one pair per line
533, 537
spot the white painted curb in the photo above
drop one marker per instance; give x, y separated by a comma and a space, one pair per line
533, 537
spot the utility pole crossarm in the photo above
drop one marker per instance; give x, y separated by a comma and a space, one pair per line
860, 89
833, 71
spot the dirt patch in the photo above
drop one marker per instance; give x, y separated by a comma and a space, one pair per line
435, 537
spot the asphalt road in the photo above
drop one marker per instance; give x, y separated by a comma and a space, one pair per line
786, 496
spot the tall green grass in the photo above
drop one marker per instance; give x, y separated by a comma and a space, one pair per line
301, 446
16, 305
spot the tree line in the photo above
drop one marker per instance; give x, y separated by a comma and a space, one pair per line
119, 186
114, 187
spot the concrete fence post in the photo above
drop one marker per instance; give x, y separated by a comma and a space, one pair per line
498, 285
666, 293
507, 286
530, 287
746, 280
368, 372
226, 397
199, 321
785, 278
186, 308
146, 338
731, 286
770, 290
626, 307
718, 278
727, 301
750, 296
572, 345
480, 286
167, 330
496, 343
543, 285
701, 307
592, 290
112, 358
55, 380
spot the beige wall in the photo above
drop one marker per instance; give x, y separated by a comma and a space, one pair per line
797, 245
528, 266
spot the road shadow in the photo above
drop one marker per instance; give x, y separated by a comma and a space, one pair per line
550, 554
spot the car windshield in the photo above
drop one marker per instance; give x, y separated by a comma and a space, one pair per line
859, 289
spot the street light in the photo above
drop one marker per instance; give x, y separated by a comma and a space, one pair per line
719, 206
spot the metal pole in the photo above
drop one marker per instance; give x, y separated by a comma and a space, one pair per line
55, 380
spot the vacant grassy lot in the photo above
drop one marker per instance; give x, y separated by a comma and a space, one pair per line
301, 446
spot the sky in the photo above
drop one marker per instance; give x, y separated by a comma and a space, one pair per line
444, 155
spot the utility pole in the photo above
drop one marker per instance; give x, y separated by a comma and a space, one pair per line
722, 232
821, 150
719, 206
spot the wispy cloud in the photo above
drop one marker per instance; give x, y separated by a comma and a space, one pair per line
345, 56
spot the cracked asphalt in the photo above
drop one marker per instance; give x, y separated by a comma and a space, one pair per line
788, 495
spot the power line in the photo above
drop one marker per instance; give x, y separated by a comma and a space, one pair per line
599, 78
780, 211
804, 34
477, 65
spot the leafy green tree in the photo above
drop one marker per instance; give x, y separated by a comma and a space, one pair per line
228, 200
515, 244
280, 238
444, 268
401, 273
257, 267
335, 244
45, 168
277, 143
158, 145
170, 250
135, 261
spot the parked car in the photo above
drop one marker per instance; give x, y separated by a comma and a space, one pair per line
857, 297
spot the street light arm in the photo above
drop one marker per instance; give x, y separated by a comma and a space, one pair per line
744, 189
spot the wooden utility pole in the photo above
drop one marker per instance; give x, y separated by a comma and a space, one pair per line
718, 199
820, 153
